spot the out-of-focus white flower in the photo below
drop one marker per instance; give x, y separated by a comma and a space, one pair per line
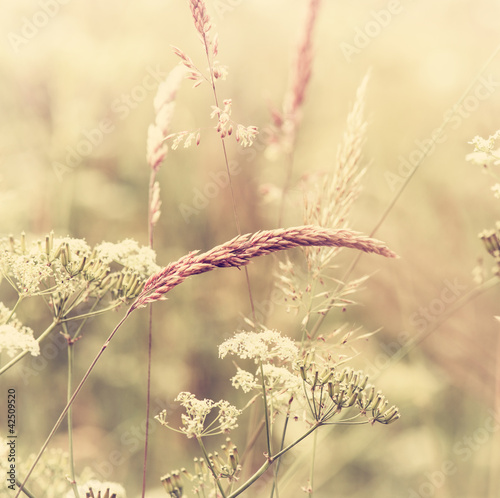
262, 346
130, 254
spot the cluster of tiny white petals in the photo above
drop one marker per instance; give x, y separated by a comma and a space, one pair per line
483, 144
228, 415
484, 150
264, 346
15, 340
284, 383
14, 336
77, 246
29, 270
128, 253
245, 381
197, 410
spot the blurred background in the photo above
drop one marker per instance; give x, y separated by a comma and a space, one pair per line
77, 85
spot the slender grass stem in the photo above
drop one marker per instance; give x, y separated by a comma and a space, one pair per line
18, 302
278, 464
288, 181
432, 143
271, 460
266, 411
70, 419
25, 491
91, 314
313, 458
72, 399
148, 400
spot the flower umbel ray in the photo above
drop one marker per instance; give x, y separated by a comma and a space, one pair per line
194, 421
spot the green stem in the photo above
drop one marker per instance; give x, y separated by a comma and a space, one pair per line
44, 334
282, 444
70, 419
297, 441
91, 314
25, 491
18, 302
266, 411
252, 479
209, 463
313, 456
271, 460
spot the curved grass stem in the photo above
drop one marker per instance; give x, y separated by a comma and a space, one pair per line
71, 400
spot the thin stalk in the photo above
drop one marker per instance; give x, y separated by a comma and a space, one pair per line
18, 302
72, 399
319, 423
432, 143
42, 336
70, 419
152, 179
288, 181
313, 457
266, 412
25, 491
252, 479
91, 313
231, 188
494, 480
271, 460
148, 400
278, 464
209, 463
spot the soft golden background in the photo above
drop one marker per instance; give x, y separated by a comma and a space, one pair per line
71, 74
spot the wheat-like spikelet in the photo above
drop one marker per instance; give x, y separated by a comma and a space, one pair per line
240, 250
164, 105
302, 67
330, 204
200, 15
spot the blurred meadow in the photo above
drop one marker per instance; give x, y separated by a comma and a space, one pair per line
77, 85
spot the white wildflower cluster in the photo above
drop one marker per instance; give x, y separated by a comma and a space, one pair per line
58, 268
14, 336
194, 421
485, 153
277, 354
265, 346
129, 254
